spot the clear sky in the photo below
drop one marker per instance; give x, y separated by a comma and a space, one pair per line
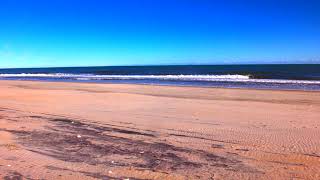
42, 33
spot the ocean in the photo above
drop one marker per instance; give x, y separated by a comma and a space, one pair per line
284, 76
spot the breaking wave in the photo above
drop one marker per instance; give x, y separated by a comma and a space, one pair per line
209, 78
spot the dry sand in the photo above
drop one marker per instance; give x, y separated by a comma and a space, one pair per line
108, 131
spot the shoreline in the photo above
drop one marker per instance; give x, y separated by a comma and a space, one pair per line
165, 85
95, 131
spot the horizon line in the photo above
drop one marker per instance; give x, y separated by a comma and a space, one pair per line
132, 65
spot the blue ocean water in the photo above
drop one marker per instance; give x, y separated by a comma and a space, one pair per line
294, 76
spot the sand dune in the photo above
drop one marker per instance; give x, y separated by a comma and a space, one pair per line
108, 131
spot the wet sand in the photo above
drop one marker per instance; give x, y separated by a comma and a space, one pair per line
107, 131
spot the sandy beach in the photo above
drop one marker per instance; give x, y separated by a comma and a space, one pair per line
51, 130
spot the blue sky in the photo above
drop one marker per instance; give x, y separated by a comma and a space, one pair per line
44, 33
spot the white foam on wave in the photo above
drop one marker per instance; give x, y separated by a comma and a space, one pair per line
212, 78
91, 76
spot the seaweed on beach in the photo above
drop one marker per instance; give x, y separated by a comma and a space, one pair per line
70, 140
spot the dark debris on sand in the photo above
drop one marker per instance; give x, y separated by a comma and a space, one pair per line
95, 143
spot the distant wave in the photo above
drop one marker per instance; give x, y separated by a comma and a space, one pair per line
92, 76
212, 78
